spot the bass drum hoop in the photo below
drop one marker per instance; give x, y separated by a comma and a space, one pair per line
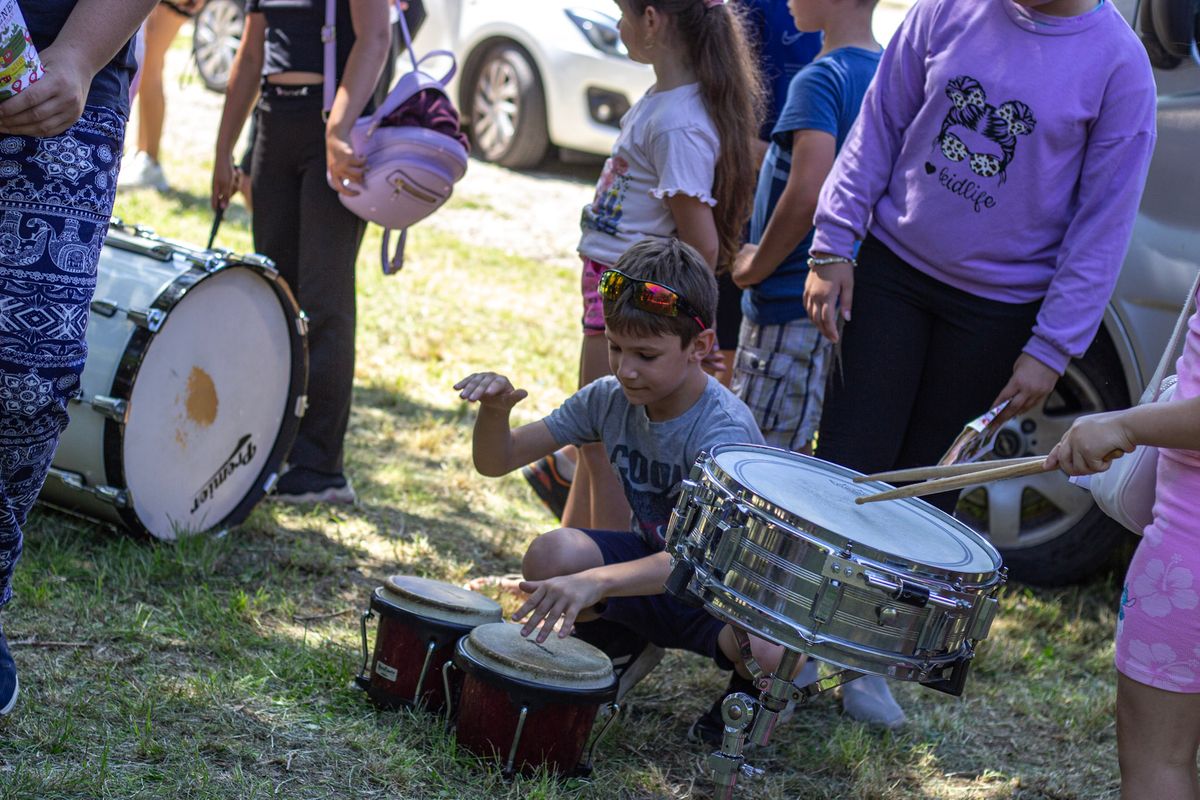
135, 354
793, 524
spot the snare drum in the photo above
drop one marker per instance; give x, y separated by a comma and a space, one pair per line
420, 621
192, 392
772, 541
531, 703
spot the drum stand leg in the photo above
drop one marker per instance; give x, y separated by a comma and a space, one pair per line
416, 701
362, 679
728, 763
512, 751
584, 769
831, 681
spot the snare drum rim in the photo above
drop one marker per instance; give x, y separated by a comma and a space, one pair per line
529, 692
799, 526
135, 353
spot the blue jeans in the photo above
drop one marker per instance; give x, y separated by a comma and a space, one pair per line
56, 197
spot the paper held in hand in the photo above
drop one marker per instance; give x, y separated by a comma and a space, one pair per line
976, 439
20, 65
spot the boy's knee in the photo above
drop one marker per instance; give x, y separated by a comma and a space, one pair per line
552, 554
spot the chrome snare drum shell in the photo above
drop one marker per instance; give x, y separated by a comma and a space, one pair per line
771, 541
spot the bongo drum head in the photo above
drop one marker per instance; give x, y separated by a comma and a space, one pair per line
567, 663
822, 494
440, 601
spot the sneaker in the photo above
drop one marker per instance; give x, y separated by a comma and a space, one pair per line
868, 699
140, 171
709, 728
633, 657
9, 685
548, 483
304, 485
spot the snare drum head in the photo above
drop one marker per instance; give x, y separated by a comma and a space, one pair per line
818, 494
208, 403
440, 601
568, 663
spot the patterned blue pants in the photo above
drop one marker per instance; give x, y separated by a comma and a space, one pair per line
56, 197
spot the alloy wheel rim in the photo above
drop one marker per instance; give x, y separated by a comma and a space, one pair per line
221, 28
496, 112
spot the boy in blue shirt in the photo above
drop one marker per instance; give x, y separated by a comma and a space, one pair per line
782, 361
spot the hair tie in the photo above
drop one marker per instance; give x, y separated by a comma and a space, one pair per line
713, 3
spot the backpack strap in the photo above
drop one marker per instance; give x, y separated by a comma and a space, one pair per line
396, 262
329, 68
1176, 337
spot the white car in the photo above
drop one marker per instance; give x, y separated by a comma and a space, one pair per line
535, 74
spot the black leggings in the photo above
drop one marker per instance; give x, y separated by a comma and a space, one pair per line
299, 222
920, 359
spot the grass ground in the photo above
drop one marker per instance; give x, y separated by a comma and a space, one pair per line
221, 667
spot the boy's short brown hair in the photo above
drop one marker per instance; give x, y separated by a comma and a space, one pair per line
672, 263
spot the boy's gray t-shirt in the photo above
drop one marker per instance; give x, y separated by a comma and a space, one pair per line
651, 458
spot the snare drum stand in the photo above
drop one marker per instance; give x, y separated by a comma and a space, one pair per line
745, 716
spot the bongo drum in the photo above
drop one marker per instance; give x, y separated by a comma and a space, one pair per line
192, 393
420, 620
772, 542
530, 703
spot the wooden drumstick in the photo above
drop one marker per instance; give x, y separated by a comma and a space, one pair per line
943, 470
958, 481
1017, 468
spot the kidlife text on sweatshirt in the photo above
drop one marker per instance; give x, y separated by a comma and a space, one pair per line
1003, 152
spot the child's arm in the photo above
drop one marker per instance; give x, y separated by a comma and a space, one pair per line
695, 225
1087, 446
566, 596
813, 152
496, 448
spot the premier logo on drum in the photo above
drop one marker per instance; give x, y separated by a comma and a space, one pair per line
242, 455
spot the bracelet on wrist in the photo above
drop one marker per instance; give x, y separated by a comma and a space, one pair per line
825, 261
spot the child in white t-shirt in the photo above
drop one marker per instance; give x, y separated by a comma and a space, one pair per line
682, 166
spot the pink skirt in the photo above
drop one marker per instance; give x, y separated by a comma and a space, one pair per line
1158, 625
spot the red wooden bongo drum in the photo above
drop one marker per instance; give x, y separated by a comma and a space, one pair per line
419, 622
530, 703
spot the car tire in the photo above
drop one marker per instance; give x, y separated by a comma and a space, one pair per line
1049, 532
508, 108
216, 33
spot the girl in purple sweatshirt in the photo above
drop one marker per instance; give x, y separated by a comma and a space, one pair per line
992, 180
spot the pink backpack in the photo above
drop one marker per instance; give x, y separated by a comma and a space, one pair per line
414, 149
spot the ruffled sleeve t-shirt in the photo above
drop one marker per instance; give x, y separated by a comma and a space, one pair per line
668, 145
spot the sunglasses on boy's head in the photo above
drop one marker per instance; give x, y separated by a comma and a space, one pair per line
647, 295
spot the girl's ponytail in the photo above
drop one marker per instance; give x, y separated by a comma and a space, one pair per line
714, 36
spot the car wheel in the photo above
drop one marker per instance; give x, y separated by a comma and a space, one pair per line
1050, 532
508, 109
218, 30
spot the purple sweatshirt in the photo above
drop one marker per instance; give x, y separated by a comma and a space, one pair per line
1003, 152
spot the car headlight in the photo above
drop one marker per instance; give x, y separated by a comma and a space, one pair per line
599, 29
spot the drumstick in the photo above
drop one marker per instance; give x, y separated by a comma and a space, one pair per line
1019, 470
943, 470
218, 215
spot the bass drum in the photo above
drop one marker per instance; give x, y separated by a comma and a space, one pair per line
192, 393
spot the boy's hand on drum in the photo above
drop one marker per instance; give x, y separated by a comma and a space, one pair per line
828, 291
1031, 381
490, 390
1091, 444
562, 598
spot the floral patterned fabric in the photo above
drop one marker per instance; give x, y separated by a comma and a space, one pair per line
56, 196
1158, 628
